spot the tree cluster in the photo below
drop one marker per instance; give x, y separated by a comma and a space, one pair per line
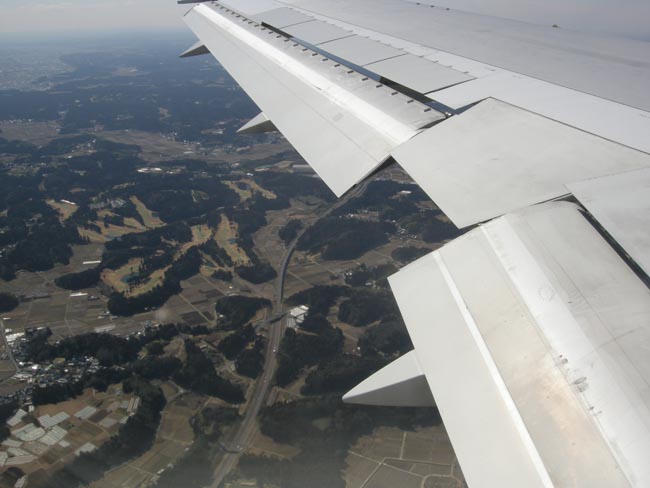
107, 348
319, 298
79, 281
409, 253
237, 310
377, 275
198, 374
341, 374
298, 350
366, 306
231, 345
343, 238
383, 197
8, 302
387, 338
290, 230
429, 227
7, 410
250, 362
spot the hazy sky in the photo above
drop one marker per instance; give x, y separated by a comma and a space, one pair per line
631, 17
71, 16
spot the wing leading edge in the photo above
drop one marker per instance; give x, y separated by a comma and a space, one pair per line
342, 122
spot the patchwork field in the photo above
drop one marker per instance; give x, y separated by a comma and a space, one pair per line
389, 458
174, 436
66, 428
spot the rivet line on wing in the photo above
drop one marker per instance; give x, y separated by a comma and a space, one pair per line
390, 128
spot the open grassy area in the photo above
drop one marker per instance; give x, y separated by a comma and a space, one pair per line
244, 193
246, 187
92, 235
110, 231
116, 278
226, 237
153, 280
66, 210
149, 218
257, 188
200, 234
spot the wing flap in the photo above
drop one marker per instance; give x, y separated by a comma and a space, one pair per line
317, 32
417, 73
621, 204
604, 118
496, 158
282, 17
533, 351
360, 50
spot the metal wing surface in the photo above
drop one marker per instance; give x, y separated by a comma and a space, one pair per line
532, 329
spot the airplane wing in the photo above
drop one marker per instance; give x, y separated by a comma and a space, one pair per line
531, 330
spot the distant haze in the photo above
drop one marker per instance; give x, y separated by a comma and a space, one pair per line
80, 16
629, 18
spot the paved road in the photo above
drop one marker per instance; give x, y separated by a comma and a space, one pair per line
248, 426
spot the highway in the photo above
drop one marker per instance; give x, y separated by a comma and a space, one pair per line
244, 435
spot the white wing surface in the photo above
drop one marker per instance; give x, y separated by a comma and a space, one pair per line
532, 330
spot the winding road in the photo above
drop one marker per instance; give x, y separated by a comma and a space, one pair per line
244, 435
